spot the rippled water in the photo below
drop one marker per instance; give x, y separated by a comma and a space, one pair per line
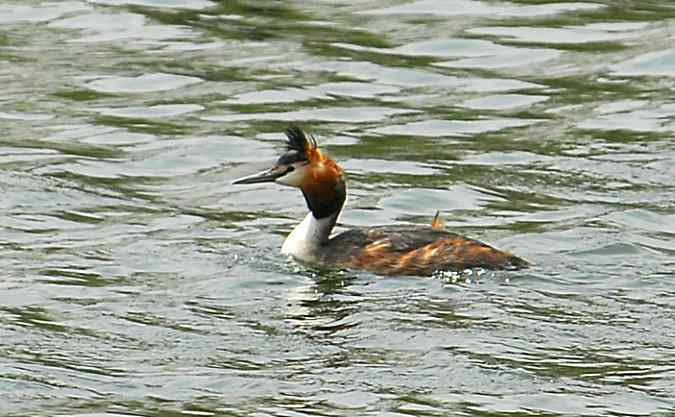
137, 281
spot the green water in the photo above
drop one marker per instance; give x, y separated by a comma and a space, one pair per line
136, 281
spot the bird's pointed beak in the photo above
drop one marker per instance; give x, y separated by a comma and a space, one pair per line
269, 175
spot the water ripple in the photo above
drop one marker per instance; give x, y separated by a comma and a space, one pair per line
137, 280
141, 84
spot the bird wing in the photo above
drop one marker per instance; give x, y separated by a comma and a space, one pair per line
416, 251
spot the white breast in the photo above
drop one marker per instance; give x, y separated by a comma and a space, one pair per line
305, 240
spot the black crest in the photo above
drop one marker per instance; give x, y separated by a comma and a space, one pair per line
299, 140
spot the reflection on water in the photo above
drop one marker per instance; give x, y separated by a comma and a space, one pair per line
138, 281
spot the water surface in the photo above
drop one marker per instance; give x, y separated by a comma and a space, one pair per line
138, 282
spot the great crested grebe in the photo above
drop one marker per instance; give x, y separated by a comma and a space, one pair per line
400, 250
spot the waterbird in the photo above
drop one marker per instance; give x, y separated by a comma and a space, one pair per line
383, 250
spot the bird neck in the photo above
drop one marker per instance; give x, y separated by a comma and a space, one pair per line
315, 229
308, 236
326, 198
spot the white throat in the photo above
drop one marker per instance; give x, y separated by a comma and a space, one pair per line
305, 240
